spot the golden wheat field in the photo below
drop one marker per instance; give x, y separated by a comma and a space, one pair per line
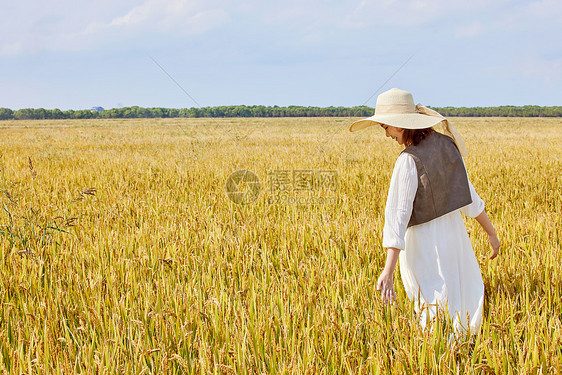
122, 253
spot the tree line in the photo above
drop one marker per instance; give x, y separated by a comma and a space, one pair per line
265, 111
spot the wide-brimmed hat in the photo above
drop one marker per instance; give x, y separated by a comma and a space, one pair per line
396, 108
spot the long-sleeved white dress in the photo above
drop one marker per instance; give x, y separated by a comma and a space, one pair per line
437, 263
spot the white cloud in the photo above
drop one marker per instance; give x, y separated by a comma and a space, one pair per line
29, 25
66, 26
11, 49
550, 9
535, 15
549, 71
187, 17
407, 12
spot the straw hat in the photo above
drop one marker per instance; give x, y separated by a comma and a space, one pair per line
396, 108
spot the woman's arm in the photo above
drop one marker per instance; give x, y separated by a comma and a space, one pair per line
476, 210
399, 203
385, 283
485, 222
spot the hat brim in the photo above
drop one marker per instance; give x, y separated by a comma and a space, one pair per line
403, 120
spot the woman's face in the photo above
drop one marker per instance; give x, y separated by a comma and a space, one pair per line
395, 133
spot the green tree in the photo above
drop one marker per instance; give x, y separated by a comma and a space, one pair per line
24, 114
6, 114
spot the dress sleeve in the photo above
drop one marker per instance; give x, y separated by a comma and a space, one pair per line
476, 207
401, 194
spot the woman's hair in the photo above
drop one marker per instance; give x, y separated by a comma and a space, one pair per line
415, 136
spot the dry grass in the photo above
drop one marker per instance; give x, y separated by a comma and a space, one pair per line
157, 271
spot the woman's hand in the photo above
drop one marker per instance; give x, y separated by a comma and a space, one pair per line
484, 221
495, 242
386, 285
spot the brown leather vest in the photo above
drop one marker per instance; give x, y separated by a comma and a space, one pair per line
442, 181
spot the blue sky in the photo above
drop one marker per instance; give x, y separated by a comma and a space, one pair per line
78, 54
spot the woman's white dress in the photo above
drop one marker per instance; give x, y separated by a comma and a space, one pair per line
437, 263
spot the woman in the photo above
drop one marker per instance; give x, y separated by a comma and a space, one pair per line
424, 229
